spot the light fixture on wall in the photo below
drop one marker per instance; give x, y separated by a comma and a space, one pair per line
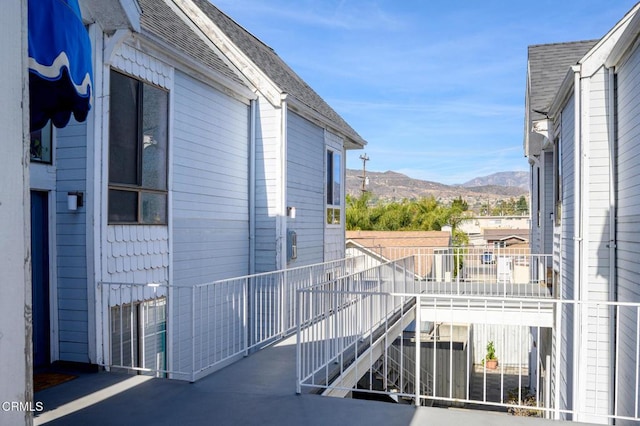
291, 212
74, 200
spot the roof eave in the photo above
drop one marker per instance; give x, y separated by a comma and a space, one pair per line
113, 15
350, 142
628, 38
564, 92
244, 64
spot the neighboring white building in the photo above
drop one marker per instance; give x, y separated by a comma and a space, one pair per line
204, 157
15, 306
581, 141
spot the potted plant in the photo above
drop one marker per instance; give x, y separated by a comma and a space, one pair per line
491, 361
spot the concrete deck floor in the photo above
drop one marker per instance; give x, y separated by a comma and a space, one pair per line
258, 390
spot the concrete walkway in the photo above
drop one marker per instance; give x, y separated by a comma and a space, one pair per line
258, 390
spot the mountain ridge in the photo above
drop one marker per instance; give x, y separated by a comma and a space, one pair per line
394, 186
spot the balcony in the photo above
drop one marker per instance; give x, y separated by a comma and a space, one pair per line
250, 344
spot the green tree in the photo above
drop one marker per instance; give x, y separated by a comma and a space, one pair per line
522, 206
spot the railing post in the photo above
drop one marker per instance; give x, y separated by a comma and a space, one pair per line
298, 296
245, 314
418, 350
193, 334
283, 303
547, 386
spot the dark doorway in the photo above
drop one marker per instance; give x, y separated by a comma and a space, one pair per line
40, 278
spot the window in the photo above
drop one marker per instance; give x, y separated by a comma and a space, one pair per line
41, 143
138, 334
137, 152
334, 187
558, 181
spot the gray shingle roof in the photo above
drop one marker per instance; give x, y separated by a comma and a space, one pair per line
548, 65
161, 21
266, 59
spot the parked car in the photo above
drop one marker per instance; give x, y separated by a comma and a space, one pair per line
487, 258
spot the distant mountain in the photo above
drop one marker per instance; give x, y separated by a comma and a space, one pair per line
390, 186
510, 179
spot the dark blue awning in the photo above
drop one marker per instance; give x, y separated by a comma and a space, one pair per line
60, 70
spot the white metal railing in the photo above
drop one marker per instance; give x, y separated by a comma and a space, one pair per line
598, 369
478, 270
188, 331
338, 320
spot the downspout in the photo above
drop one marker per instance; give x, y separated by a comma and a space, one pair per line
252, 186
577, 243
282, 216
613, 207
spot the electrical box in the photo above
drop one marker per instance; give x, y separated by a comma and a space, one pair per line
292, 245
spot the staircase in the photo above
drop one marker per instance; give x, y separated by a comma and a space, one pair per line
400, 375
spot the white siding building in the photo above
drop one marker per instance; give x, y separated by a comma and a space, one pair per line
581, 115
200, 146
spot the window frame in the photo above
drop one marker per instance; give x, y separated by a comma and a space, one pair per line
558, 190
333, 188
46, 131
138, 188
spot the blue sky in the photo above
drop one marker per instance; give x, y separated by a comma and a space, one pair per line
436, 87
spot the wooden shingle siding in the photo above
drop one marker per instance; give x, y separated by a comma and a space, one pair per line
70, 155
137, 63
305, 187
210, 184
628, 222
138, 254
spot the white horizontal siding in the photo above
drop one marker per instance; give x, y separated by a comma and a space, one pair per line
268, 178
210, 183
512, 343
566, 383
598, 344
70, 161
628, 225
210, 213
305, 187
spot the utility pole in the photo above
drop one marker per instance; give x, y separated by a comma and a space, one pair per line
364, 159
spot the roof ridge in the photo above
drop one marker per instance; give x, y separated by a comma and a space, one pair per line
565, 43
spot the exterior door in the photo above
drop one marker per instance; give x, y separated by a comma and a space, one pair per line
40, 278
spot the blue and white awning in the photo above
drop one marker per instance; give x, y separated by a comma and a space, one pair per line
60, 70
